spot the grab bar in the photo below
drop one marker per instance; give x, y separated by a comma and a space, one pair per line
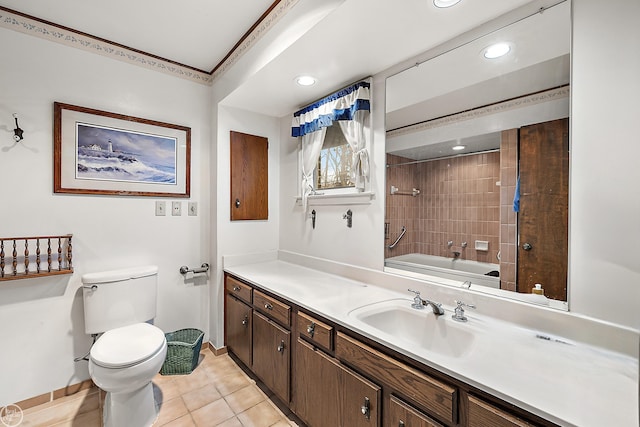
393, 245
203, 269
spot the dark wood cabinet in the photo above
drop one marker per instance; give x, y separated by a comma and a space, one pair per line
328, 394
483, 414
272, 355
249, 177
238, 320
324, 372
402, 414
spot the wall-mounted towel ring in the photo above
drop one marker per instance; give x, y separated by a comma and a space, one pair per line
17, 132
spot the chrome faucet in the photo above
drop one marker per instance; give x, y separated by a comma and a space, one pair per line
419, 303
458, 314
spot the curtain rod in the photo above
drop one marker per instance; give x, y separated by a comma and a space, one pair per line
335, 91
389, 165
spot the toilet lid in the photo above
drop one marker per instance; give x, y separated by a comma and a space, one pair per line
127, 346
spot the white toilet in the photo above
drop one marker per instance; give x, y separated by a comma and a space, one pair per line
130, 352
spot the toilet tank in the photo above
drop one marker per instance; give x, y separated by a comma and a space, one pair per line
119, 298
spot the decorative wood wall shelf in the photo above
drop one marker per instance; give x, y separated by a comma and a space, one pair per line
30, 257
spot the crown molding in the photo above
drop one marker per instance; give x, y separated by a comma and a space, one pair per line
500, 107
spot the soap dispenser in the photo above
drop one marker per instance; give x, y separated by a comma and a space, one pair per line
537, 289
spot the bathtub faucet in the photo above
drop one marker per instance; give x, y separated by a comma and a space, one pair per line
456, 254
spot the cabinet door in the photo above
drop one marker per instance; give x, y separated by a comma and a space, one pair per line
271, 355
238, 329
483, 414
359, 400
403, 415
315, 387
249, 177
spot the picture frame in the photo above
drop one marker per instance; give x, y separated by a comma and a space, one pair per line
103, 153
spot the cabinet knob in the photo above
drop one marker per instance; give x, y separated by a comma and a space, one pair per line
281, 347
527, 246
237, 203
311, 329
268, 306
400, 423
366, 408
245, 321
236, 288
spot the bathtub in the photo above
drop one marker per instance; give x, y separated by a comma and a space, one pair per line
447, 268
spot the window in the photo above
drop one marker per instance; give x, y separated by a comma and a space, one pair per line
334, 163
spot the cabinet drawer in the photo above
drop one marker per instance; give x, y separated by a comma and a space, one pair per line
402, 414
238, 289
272, 307
483, 414
316, 331
438, 398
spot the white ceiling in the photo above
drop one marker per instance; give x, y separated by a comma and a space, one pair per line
357, 39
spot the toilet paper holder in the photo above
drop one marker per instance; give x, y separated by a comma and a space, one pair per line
203, 269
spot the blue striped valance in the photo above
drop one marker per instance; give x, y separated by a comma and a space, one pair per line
341, 105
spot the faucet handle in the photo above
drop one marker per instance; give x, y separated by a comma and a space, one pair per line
461, 304
417, 301
458, 313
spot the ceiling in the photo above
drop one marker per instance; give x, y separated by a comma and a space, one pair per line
352, 39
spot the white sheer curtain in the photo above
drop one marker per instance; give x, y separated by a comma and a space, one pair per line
354, 132
311, 147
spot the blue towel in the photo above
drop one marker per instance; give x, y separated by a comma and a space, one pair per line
516, 196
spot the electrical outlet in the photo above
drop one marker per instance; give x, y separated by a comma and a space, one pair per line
161, 208
193, 208
176, 208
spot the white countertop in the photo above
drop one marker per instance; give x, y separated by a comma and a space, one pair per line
571, 384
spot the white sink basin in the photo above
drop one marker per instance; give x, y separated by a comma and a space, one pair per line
421, 328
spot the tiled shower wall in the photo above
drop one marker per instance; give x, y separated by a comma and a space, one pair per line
462, 199
459, 201
508, 218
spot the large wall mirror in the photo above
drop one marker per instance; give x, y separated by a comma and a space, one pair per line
477, 154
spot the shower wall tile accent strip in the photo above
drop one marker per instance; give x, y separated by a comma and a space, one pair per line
508, 218
22, 257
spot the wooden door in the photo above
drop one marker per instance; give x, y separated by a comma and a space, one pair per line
238, 329
359, 400
271, 355
544, 205
403, 415
315, 394
249, 177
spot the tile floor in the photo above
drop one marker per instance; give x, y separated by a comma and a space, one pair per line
216, 393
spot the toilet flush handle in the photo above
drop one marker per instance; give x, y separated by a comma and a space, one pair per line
91, 288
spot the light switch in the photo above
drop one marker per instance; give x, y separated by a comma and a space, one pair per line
193, 208
161, 208
176, 208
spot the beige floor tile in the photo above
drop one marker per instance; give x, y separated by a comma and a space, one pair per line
212, 414
200, 397
184, 421
195, 380
232, 382
88, 419
165, 391
231, 422
60, 410
245, 398
261, 415
282, 423
171, 410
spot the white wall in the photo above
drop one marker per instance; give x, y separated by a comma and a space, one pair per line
361, 245
41, 320
241, 237
604, 201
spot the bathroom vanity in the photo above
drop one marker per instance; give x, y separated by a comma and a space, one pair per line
340, 352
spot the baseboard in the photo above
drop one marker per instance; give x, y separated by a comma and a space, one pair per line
55, 394
216, 351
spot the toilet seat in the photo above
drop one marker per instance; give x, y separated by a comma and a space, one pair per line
127, 346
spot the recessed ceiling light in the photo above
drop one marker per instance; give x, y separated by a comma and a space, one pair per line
458, 147
445, 3
305, 80
497, 50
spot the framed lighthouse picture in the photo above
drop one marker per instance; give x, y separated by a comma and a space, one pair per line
103, 153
